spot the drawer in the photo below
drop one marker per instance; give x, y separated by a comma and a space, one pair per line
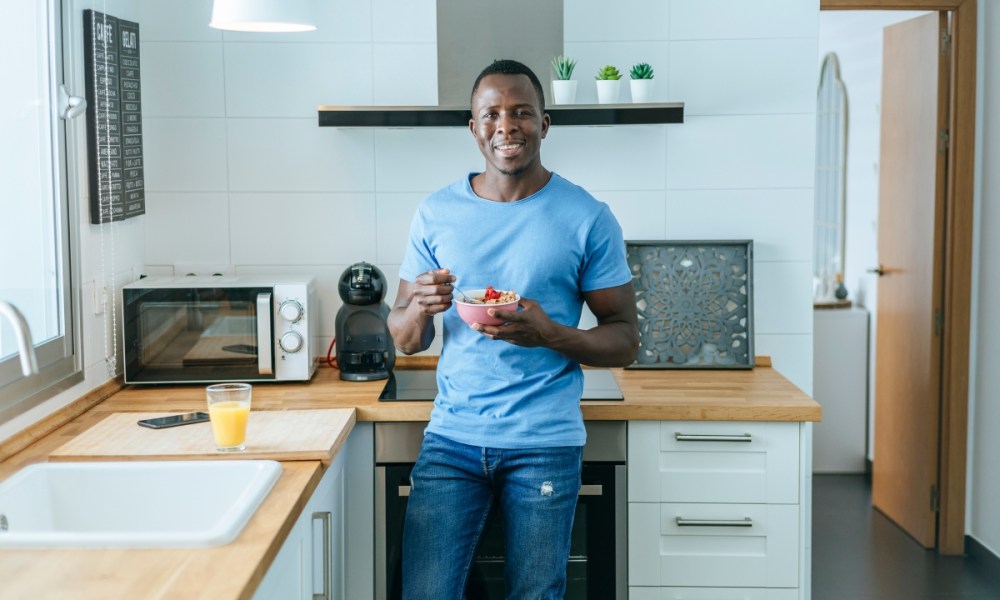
713, 461
675, 593
714, 545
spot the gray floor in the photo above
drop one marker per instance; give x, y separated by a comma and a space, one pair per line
858, 554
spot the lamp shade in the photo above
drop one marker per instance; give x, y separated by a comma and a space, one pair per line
262, 15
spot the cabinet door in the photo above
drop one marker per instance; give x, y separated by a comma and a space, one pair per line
730, 545
310, 564
285, 579
326, 535
712, 461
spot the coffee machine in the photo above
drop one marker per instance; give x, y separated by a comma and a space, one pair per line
364, 347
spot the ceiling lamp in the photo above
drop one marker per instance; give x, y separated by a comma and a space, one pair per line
281, 16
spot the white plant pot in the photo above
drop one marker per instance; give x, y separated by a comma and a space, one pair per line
642, 90
564, 91
608, 90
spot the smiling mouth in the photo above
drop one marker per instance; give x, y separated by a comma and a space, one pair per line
508, 149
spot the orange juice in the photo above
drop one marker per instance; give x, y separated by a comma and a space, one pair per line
229, 423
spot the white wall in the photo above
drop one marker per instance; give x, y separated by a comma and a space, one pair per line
239, 173
984, 413
107, 258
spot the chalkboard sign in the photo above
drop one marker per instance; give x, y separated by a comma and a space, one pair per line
114, 117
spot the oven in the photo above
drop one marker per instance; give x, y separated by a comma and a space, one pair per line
598, 553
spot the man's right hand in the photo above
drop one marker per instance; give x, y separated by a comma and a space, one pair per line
411, 320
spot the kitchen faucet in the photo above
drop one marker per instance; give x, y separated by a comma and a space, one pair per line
25, 347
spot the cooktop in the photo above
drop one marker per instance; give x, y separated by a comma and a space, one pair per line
421, 384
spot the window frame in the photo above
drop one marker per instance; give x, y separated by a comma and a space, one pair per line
60, 359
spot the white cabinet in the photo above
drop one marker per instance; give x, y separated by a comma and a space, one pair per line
717, 510
840, 385
310, 564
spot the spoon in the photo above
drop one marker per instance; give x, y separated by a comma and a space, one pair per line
465, 298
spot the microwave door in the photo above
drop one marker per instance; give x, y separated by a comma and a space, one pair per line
264, 362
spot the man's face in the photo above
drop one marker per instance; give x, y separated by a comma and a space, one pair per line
508, 124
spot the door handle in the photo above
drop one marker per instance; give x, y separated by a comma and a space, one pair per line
264, 366
70, 106
879, 270
585, 490
744, 522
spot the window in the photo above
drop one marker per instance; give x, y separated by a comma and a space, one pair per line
36, 271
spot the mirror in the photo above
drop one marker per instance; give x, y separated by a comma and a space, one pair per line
831, 166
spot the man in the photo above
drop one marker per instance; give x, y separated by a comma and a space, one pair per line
506, 431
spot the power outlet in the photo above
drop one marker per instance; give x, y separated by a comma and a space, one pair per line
100, 298
204, 270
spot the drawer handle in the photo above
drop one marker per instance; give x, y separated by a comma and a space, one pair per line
696, 437
325, 517
744, 522
585, 490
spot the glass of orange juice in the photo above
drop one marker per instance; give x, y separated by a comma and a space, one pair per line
228, 409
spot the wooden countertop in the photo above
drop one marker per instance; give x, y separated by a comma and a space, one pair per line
234, 571
760, 394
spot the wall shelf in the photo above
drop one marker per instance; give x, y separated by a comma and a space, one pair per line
455, 116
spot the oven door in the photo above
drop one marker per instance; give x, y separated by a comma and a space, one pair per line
597, 563
198, 334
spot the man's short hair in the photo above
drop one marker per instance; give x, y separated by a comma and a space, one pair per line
511, 67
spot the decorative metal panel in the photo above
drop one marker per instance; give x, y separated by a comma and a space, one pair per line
695, 303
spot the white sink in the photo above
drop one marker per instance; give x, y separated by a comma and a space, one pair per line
155, 504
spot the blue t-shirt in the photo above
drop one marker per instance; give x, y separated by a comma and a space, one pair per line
549, 247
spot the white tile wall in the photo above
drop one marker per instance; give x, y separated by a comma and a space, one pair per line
404, 21
181, 79
295, 155
753, 151
739, 19
720, 77
405, 75
393, 215
782, 294
609, 158
301, 229
202, 217
184, 154
761, 215
244, 147
620, 21
291, 79
175, 21
423, 160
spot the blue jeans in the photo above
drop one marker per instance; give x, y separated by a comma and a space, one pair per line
455, 489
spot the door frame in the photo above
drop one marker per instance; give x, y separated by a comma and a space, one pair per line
958, 228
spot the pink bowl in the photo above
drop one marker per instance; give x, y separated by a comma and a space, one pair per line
476, 313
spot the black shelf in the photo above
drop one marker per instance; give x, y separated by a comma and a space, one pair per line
454, 116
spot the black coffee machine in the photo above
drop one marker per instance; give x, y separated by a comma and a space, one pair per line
364, 347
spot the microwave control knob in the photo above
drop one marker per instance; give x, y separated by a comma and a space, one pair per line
291, 342
290, 310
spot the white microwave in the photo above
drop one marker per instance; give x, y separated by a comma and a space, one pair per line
208, 329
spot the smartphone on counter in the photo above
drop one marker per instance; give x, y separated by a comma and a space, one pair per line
174, 420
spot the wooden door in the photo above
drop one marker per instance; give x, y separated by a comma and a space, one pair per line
910, 290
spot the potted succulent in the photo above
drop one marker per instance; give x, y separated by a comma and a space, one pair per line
641, 83
563, 86
608, 84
